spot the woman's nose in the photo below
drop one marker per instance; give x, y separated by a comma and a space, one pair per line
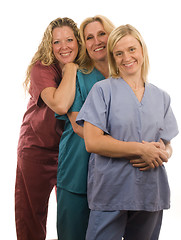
64, 45
97, 41
126, 56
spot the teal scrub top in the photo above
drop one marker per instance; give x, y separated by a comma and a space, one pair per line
73, 157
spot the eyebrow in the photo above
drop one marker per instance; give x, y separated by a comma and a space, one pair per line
66, 37
71, 36
133, 46
101, 30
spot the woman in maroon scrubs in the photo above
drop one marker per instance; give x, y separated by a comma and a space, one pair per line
40, 132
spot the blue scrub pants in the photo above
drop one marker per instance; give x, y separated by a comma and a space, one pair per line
132, 225
72, 215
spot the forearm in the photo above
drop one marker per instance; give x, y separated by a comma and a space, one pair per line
97, 142
76, 128
61, 99
65, 93
110, 147
168, 149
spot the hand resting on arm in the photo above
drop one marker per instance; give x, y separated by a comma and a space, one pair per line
97, 142
60, 99
167, 150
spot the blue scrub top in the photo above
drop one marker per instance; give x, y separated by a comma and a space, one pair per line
73, 157
113, 183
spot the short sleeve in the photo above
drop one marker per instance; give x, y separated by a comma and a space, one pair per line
94, 109
170, 129
43, 77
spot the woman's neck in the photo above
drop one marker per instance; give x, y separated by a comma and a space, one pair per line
135, 81
102, 67
137, 85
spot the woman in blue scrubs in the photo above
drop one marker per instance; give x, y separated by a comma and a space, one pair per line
124, 118
73, 210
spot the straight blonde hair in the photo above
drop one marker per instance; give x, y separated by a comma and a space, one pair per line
114, 37
85, 62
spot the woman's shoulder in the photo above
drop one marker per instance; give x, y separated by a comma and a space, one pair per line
45, 75
157, 90
86, 74
105, 83
38, 67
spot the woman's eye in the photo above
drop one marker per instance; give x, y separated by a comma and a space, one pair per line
132, 49
102, 34
70, 40
118, 54
89, 37
55, 42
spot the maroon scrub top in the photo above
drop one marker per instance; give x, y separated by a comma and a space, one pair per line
40, 131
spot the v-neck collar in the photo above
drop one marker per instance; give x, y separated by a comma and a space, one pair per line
133, 94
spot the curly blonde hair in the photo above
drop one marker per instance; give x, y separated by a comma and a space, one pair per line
85, 62
45, 50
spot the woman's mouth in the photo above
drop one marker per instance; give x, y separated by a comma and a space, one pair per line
129, 64
99, 49
65, 54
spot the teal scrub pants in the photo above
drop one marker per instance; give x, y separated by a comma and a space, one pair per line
72, 215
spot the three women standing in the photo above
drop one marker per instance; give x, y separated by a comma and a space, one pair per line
40, 134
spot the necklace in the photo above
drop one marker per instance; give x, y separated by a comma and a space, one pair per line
138, 89
139, 92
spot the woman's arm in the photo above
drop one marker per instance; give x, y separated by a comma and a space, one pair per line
97, 142
167, 146
76, 128
60, 99
164, 145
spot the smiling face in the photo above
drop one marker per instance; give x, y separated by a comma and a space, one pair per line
96, 41
128, 56
65, 46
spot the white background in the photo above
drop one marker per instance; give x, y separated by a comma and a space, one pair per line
22, 24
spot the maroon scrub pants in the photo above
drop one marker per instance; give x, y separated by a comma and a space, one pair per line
34, 183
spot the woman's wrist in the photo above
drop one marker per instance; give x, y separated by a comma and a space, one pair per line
169, 152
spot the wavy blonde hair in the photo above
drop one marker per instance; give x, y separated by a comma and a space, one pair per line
114, 37
85, 62
45, 50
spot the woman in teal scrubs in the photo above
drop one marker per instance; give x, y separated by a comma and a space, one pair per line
72, 210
